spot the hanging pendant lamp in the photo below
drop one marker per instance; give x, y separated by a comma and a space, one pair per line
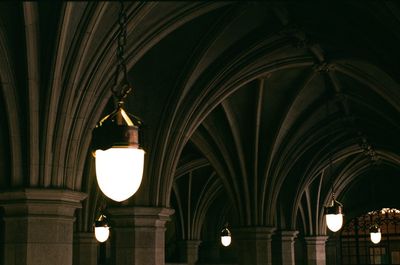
375, 234
334, 211
118, 156
334, 215
226, 237
101, 228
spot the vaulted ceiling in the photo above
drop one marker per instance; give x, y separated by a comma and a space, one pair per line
251, 110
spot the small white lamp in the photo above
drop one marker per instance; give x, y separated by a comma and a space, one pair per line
101, 228
334, 215
375, 233
226, 238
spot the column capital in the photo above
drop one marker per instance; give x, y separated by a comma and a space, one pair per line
286, 248
139, 234
85, 248
190, 243
316, 251
288, 235
254, 244
254, 232
30, 201
141, 216
189, 250
38, 222
316, 240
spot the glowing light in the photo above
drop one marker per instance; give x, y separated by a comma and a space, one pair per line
119, 171
375, 233
102, 233
226, 238
334, 221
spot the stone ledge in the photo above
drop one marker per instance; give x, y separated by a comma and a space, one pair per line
41, 202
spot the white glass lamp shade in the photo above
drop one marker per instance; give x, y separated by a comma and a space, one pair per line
119, 171
102, 233
334, 221
376, 235
226, 240
334, 215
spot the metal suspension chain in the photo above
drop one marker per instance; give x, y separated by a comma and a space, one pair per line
125, 88
327, 109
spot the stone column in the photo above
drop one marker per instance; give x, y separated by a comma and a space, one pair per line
209, 251
38, 226
287, 247
316, 250
85, 249
138, 235
331, 251
254, 245
189, 250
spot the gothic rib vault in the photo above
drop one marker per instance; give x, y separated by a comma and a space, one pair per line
245, 106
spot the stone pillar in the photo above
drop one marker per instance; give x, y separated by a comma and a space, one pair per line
38, 226
287, 247
189, 250
85, 249
209, 252
316, 250
332, 251
254, 245
138, 235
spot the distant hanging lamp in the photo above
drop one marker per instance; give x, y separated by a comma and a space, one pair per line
333, 212
375, 234
101, 228
375, 230
118, 156
334, 215
226, 237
